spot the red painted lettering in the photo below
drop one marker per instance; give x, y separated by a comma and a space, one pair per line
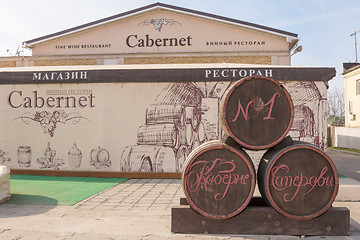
280, 181
209, 176
253, 103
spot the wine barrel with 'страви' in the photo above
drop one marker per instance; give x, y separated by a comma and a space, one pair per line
300, 181
257, 112
218, 180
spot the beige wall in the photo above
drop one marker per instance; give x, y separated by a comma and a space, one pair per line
198, 34
135, 59
213, 59
65, 62
351, 98
207, 41
7, 62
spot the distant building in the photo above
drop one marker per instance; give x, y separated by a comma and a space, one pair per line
351, 73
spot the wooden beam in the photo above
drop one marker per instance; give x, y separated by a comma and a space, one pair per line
167, 175
261, 221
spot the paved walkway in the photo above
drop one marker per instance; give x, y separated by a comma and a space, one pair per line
137, 194
136, 209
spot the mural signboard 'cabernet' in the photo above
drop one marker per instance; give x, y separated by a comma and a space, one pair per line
173, 110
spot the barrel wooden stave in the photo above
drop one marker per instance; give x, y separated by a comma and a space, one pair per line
282, 171
257, 112
218, 201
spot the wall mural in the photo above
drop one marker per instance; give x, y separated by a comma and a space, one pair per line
75, 156
3, 157
178, 120
24, 156
172, 121
48, 160
48, 120
126, 127
308, 106
100, 158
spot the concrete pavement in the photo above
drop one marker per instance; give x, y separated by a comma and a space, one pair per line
135, 209
346, 162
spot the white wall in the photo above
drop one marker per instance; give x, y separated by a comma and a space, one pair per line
347, 137
352, 98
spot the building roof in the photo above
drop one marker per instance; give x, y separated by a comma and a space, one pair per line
158, 5
348, 67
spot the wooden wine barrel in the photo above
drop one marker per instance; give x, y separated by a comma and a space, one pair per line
257, 112
218, 180
300, 181
148, 158
158, 134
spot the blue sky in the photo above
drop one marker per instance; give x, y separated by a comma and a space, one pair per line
324, 26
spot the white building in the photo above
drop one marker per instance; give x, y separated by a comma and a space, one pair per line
351, 75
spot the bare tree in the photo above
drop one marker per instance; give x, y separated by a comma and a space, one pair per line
336, 107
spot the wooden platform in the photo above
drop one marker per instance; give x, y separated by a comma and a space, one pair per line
261, 220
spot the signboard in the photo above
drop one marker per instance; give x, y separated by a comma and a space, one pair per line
132, 120
161, 31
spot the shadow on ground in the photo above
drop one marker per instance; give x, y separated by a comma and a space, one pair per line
354, 226
26, 205
31, 200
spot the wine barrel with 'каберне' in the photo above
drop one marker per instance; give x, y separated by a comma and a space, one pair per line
218, 180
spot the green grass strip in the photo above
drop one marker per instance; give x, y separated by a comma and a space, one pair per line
346, 149
341, 176
51, 190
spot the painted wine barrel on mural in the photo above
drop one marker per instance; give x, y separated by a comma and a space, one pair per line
257, 112
218, 180
300, 181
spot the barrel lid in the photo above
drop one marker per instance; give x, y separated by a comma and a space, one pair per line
257, 112
301, 181
218, 180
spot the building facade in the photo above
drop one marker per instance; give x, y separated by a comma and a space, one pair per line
160, 34
156, 100
351, 76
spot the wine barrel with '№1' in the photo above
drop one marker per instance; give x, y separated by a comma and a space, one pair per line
218, 180
300, 181
257, 112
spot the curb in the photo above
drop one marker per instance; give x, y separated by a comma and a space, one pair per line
343, 151
349, 190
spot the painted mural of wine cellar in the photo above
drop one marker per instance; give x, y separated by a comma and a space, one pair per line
173, 127
185, 115
310, 109
90, 126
